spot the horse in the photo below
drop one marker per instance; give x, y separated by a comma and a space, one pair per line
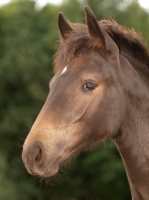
100, 91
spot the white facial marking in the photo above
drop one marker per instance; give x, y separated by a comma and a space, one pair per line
64, 70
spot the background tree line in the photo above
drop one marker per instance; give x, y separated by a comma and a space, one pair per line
27, 44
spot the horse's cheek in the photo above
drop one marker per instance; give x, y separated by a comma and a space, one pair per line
110, 115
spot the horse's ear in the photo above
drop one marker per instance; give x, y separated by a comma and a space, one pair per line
64, 26
93, 27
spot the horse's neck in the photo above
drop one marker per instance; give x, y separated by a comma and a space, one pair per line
134, 149
133, 143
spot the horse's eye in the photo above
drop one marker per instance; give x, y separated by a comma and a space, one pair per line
89, 86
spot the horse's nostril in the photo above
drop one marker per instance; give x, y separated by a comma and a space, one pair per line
33, 156
38, 153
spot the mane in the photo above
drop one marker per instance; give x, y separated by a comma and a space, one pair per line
130, 44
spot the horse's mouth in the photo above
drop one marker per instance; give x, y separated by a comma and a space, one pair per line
45, 170
50, 166
54, 166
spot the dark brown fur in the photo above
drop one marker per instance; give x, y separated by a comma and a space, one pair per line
130, 43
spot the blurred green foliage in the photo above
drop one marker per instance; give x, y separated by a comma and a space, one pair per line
27, 44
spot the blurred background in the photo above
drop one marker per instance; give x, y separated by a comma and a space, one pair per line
28, 37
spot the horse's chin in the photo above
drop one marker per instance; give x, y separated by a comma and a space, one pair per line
50, 172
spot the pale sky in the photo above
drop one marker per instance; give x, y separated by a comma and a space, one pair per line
144, 3
41, 3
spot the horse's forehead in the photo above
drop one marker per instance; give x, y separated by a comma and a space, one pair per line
92, 62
